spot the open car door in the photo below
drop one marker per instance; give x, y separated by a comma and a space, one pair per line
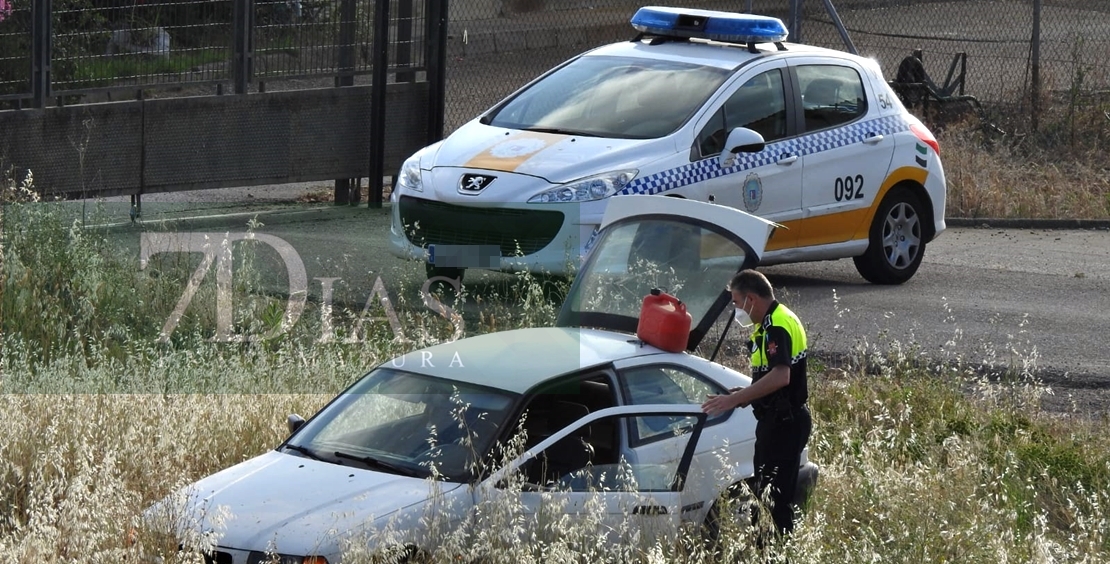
558, 489
686, 248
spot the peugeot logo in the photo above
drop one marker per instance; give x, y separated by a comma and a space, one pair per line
474, 183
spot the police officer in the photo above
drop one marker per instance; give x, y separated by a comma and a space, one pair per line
778, 392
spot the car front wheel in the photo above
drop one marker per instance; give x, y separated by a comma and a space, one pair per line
896, 242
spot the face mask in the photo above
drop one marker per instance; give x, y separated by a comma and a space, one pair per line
744, 318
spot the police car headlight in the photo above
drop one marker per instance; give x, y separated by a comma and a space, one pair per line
409, 177
586, 189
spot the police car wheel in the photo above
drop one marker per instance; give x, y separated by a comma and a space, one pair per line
896, 242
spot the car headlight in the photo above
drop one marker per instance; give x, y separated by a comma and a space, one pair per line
586, 189
409, 177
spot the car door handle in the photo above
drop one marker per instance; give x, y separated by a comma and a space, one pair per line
873, 139
787, 159
650, 510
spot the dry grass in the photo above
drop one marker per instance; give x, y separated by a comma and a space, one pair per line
1014, 182
1056, 169
914, 469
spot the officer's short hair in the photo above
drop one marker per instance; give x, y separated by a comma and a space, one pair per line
752, 281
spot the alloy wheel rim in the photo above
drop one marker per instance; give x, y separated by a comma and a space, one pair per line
901, 236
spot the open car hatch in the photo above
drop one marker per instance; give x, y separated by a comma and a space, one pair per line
685, 248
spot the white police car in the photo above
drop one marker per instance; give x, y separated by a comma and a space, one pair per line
704, 105
614, 442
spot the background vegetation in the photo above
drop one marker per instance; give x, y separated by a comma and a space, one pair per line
920, 463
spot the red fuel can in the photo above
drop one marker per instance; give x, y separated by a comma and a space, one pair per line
664, 322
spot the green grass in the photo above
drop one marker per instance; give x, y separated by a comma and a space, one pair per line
111, 70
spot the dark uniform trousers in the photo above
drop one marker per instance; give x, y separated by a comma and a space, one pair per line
780, 438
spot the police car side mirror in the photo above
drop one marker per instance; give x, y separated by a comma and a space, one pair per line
740, 140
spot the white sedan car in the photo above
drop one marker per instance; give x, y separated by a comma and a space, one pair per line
609, 427
708, 106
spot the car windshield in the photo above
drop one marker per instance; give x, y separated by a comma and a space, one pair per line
404, 423
609, 96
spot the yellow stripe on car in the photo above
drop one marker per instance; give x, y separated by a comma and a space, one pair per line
841, 226
508, 154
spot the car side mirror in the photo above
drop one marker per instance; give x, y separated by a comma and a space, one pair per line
740, 140
294, 422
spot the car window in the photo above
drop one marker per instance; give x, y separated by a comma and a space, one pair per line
574, 463
646, 385
759, 104
832, 95
613, 97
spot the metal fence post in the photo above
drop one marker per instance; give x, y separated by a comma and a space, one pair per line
242, 38
41, 30
840, 27
404, 41
347, 20
436, 60
796, 21
346, 190
377, 103
1035, 55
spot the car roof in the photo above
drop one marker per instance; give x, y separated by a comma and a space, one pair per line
721, 55
516, 360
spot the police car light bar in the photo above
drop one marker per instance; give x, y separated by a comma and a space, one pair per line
707, 24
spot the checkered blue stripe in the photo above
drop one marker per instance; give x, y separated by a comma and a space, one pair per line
803, 145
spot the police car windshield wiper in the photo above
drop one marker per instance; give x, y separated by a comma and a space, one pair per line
374, 462
561, 131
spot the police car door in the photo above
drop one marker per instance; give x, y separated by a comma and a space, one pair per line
848, 148
766, 183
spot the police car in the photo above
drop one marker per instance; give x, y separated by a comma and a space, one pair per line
703, 105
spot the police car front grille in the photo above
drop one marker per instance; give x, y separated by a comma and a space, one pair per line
427, 222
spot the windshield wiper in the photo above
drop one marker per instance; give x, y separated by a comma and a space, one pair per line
371, 461
561, 131
307, 452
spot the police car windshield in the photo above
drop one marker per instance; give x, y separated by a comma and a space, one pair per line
609, 96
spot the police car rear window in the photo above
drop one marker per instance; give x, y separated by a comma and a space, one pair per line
613, 97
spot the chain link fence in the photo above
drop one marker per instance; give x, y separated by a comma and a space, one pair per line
1023, 60
1031, 63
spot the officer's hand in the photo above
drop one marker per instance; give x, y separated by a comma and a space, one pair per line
737, 389
718, 404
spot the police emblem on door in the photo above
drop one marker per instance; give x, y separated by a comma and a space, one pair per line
474, 183
753, 192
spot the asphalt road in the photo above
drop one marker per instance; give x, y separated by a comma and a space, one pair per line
1026, 300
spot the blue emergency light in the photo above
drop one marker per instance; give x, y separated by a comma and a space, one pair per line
707, 24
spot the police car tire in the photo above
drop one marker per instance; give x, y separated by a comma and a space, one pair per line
874, 264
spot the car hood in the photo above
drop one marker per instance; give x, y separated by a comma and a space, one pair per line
556, 158
289, 504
